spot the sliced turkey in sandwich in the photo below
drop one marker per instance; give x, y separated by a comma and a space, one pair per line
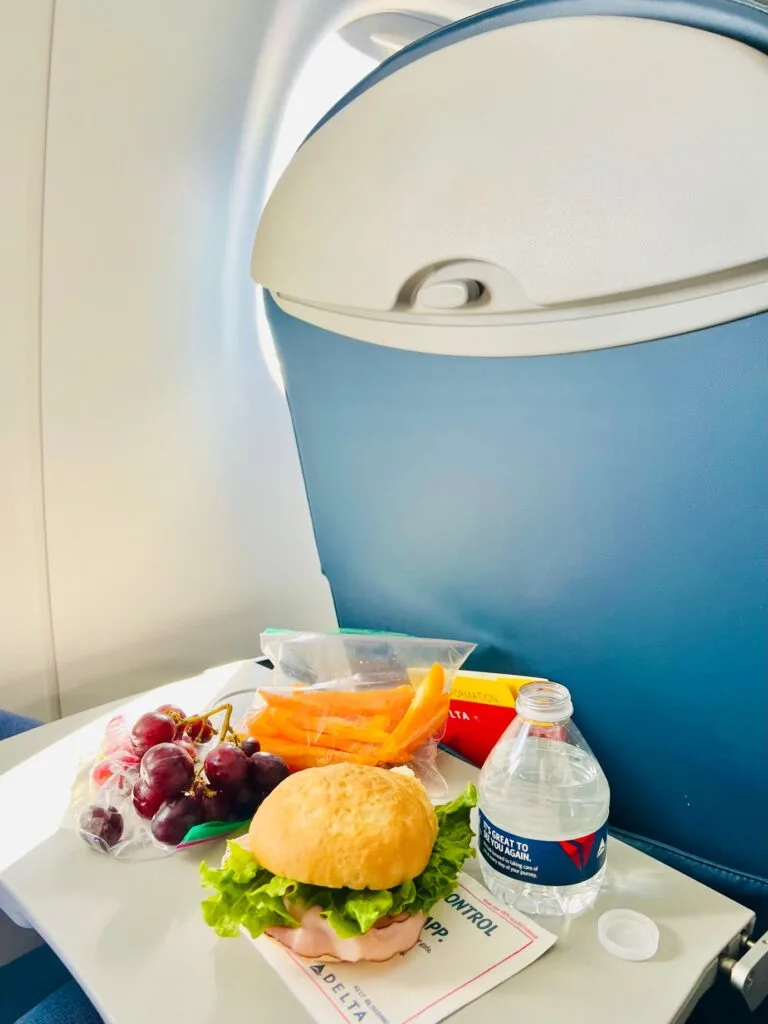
341, 863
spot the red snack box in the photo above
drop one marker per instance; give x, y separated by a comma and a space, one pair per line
482, 706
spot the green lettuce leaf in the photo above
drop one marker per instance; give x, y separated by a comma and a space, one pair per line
351, 912
247, 895
452, 848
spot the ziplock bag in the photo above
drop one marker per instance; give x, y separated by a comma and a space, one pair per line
367, 698
149, 788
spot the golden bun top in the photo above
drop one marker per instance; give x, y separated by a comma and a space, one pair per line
345, 825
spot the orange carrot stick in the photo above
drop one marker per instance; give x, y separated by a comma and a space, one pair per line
293, 752
270, 722
362, 730
336, 731
375, 731
344, 703
274, 733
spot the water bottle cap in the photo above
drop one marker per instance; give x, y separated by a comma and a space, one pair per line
628, 935
544, 703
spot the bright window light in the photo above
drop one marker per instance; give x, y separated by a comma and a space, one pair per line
331, 70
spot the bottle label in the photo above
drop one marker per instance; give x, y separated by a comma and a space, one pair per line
542, 861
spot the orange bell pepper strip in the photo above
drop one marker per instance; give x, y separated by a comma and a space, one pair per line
432, 726
422, 710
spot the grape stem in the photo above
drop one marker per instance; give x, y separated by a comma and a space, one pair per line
225, 728
227, 718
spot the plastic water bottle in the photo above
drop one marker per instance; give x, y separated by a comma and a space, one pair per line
543, 809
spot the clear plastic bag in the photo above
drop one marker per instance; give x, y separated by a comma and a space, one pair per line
101, 797
115, 809
366, 698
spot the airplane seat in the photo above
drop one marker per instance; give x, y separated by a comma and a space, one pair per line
523, 327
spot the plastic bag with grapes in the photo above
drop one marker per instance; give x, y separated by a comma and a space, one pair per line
167, 781
354, 696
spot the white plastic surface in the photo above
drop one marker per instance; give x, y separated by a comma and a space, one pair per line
27, 672
593, 168
446, 294
142, 920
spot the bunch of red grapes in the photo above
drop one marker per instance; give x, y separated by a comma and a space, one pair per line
175, 790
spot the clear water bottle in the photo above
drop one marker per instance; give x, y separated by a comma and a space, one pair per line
543, 809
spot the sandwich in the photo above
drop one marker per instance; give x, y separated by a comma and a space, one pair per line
341, 863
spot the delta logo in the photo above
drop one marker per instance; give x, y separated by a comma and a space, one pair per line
578, 850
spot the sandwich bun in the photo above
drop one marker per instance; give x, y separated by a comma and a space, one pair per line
345, 826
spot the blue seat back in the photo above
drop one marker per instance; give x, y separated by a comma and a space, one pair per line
599, 518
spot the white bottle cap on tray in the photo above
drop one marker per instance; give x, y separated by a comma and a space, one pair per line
628, 935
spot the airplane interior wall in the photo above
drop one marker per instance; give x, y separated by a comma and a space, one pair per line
150, 470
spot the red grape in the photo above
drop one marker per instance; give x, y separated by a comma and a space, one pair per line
186, 744
146, 801
117, 736
151, 729
171, 710
245, 804
267, 771
227, 767
168, 769
199, 730
174, 711
102, 827
175, 818
249, 746
215, 805
100, 773
120, 769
